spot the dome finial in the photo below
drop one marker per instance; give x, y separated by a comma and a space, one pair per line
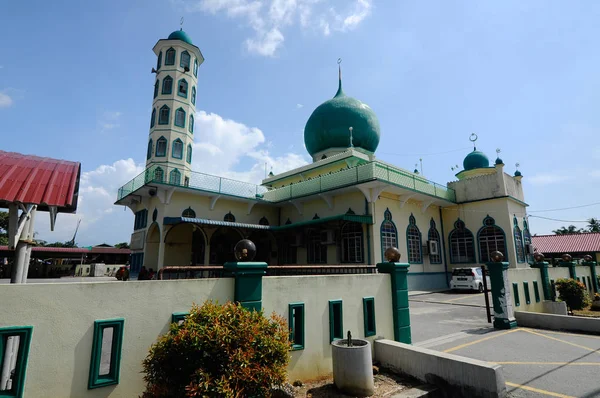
340, 92
181, 24
473, 137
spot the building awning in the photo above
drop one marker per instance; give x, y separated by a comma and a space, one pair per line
204, 221
568, 243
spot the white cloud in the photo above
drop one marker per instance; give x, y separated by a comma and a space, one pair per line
594, 173
5, 100
547, 178
268, 18
299, 106
109, 120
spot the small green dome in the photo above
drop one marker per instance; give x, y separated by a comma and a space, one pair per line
476, 160
518, 174
328, 126
180, 35
499, 161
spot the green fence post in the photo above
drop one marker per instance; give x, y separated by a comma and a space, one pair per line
504, 317
543, 267
587, 260
567, 261
400, 312
248, 276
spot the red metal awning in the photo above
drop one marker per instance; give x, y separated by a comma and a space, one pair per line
571, 243
48, 183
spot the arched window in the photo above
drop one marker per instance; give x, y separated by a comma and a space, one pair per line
149, 153
388, 232
180, 117
263, 221
185, 60
194, 95
191, 126
175, 177
413, 242
317, 253
158, 174
189, 213
527, 239
167, 87
196, 67
434, 236
153, 117
161, 147
156, 85
229, 217
159, 61
170, 56
188, 156
177, 151
164, 115
182, 89
352, 243
518, 241
491, 238
462, 245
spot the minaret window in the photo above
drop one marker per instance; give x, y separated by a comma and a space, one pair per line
196, 67
177, 149
159, 61
185, 60
153, 118
413, 240
188, 156
156, 84
161, 147
149, 154
170, 57
163, 116
191, 126
193, 95
167, 85
182, 88
158, 174
175, 177
180, 117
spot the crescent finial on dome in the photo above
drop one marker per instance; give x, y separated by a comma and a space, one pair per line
340, 92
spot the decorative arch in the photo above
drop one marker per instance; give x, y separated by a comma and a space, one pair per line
175, 177
527, 238
388, 233
352, 242
196, 67
164, 115
152, 244
193, 95
263, 221
161, 147
518, 236
462, 244
180, 117
177, 149
182, 88
159, 175
191, 125
188, 155
159, 61
434, 236
149, 153
188, 213
170, 56
185, 244
222, 242
153, 117
413, 241
184, 60
491, 238
167, 86
156, 86
229, 217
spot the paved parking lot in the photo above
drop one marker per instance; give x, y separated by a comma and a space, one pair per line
537, 363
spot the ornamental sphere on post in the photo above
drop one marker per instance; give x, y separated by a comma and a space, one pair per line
497, 256
587, 258
539, 257
392, 254
245, 250
567, 257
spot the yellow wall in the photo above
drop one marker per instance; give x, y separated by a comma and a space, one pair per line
313, 173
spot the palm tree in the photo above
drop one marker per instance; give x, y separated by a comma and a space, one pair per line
593, 225
571, 229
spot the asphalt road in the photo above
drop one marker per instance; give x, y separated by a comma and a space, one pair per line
536, 363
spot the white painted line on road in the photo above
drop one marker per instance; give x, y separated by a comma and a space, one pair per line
451, 337
527, 388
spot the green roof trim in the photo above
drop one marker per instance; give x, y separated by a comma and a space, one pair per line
341, 217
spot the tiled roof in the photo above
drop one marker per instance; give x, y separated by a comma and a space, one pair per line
572, 243
83, 250
27, 179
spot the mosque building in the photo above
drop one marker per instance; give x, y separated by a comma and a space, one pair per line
344, 208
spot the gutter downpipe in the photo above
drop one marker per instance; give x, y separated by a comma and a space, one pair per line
444, 247
368, 234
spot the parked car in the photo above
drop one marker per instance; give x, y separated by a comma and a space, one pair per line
123, 273
468, 279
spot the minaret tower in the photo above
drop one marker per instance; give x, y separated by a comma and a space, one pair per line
169, 152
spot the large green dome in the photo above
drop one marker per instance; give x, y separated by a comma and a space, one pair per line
476, 160
180, 35
328, 126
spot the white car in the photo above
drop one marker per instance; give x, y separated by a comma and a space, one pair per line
468, 279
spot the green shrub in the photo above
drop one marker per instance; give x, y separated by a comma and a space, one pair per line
219, 351
573, 293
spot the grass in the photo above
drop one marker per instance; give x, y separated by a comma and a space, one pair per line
587, 312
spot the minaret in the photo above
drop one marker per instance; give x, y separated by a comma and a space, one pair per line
169, 151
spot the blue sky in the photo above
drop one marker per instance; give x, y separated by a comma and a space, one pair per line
75, 83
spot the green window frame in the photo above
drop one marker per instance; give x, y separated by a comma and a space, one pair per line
164, 115
167, 85
519, 246
182, 88
462, 244
536, 291
184, 60
193, 95
191, 124
149, 154
490, 238
388, 233
296, 322
156, 86
526, 290
516, 294
196, 67
177, 317
159, 61
434, 236
177, 149
140, 219
180, 118
369, 316
175, 177
153, 117
336, 320
159, 175
414, 242
7, 339
188, 156
97, 380
170, 56
161, 147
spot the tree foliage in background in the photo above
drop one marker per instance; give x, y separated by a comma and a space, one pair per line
122, 245
3, 228
593, 226
573, 293
219, 351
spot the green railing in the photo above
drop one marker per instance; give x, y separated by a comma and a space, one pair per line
367, 172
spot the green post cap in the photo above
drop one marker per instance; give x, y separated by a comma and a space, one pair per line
180, 35
328, 126
476, 160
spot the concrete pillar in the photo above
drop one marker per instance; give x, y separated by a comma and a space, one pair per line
543, 267
248, 283
504, 317
400, 312
587, 260
161, 254
567, 261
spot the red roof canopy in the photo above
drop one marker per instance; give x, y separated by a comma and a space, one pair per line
46, 182
93, 250
572, 243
